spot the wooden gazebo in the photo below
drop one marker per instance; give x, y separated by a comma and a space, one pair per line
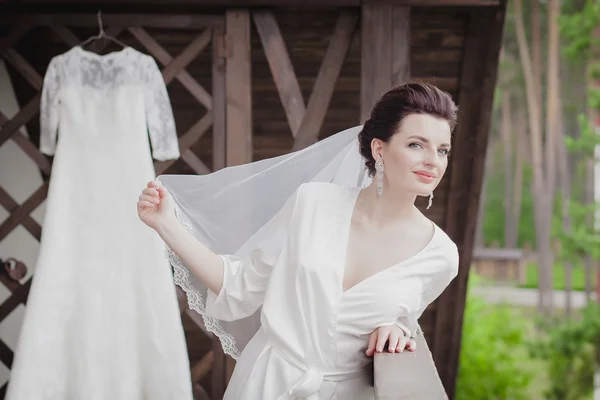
258, 78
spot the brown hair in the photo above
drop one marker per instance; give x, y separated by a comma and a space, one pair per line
395, 105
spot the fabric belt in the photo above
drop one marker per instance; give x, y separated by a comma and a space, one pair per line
307, 387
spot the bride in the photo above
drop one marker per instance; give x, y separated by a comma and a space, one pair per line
301, 265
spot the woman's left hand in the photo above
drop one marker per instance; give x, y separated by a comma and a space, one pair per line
392, 334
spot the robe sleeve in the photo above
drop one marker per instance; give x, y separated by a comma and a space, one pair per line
433, 287
159, 115
245, 278
49, 108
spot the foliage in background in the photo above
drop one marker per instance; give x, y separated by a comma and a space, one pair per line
572, 351
558, 275
494, 356
578, 27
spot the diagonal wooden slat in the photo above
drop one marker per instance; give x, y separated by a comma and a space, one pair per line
165, 59
19, 296
33, 152
187, 140
325, 82
202, 367
66, 35
281, 68
195, 132
6, 355
219, 103
24, 25
29, 148
25, 114
24, 68
18, 215
186, 56
28, 223
195, 163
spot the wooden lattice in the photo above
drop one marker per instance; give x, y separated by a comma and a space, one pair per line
174, 68
305, 121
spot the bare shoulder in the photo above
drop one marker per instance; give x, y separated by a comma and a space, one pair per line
446, 246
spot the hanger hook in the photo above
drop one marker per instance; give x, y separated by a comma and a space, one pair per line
99, 16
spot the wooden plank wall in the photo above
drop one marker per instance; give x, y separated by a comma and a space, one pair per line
436, 52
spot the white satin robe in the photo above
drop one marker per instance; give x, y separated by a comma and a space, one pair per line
313, 334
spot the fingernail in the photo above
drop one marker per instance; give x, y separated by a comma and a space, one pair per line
392, 349
380, 348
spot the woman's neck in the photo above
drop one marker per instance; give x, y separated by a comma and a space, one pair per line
389, 208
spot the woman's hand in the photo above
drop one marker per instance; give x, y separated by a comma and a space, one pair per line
155, 206
392, 334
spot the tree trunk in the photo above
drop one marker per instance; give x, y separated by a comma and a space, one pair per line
479, 231
536, 49
507, 151
542, 211
520, 155
588, 196
552, 98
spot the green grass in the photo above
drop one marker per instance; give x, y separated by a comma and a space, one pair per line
558, 277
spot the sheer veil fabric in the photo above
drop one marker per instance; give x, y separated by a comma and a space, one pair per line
232, 210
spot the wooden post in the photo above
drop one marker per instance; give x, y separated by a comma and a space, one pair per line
233, 135
238, 88
385, 52
477, 83
219, 103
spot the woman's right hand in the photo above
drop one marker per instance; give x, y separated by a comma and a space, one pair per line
155, 206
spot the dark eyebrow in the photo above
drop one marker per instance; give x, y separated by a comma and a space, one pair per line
422, 139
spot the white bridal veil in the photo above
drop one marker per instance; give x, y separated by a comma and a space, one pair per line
227, 209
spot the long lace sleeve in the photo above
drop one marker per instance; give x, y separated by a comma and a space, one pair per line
49, 109
159, 115
435, 282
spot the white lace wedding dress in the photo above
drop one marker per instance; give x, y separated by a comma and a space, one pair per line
102, 319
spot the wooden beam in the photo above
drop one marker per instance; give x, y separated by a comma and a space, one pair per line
28, 147
376, 60
326, 80
19, 296
25, 24
195, 132
167, 21
186, 141
437, 3
265, 3
187, 56
28, 223
22, 212
219, 105
195, 162
6, 355
165, 59
281, 68
400, 44
66, 35
24, 68
202, 367
387, 64
477, 84
238, 88
8, 129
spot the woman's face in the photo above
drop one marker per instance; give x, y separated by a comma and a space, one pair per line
416, 156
